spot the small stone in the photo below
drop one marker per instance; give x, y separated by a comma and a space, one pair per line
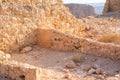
70, 64
98, 71
117, 75
78, 64
68, 76
93, 60
65, 70
103, 72
26, 49
91, 71
95, 66
99, 77
86, 68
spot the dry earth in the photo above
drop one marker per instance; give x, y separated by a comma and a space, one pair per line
57, 61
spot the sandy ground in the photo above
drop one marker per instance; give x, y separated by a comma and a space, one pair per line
57, 60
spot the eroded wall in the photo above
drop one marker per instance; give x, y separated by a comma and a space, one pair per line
24, 71
64, 42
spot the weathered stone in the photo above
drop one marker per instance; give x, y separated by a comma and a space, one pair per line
86, 68
65, 70
91, 71
98, 71
93, 60
70, 64
112, 6
26, 49
95, 66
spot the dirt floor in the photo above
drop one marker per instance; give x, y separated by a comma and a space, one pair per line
75, 63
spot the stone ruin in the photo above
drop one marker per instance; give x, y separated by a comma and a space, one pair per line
47, 23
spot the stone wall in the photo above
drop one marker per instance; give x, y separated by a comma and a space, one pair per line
112, 6
23, 71
58, 41
64, 42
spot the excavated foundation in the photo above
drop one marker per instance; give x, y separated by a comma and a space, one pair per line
42, 63
54, 38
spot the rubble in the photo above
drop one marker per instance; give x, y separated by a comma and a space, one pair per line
70, 64
94, 70
86, 68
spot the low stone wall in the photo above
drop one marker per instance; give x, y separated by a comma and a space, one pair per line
60, 41
23, 71
17, 70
